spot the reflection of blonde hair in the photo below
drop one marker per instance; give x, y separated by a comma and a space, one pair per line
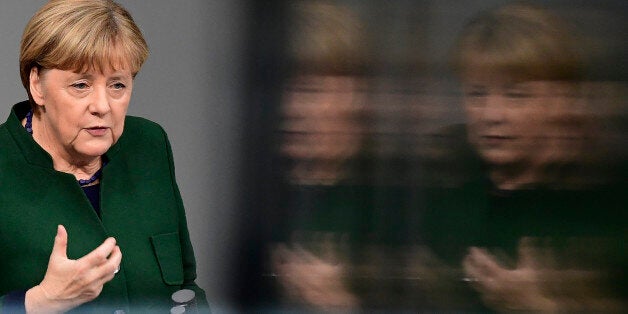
520, 40
81, 34
326, 38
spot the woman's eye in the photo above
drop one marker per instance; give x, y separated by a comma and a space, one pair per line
118, 86
80, 85
475, 93
517, 94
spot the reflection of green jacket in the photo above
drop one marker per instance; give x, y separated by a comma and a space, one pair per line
140, 204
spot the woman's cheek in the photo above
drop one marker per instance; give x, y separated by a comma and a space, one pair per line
117, 132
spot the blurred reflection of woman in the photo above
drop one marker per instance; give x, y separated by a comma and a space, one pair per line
527, 124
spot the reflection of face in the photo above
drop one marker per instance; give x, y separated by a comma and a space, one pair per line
320, 126
320, 118
83, 113
518, 122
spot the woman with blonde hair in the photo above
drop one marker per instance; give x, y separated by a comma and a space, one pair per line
534, 233
91, 218
520, 70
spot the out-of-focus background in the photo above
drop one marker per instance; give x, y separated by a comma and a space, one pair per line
286, 158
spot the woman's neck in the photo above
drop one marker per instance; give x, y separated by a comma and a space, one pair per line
80, 170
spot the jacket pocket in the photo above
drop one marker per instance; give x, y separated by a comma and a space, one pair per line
168, 253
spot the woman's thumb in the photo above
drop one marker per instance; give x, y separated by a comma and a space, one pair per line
61, 243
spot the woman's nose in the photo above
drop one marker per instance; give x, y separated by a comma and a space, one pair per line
99, 104
494, 108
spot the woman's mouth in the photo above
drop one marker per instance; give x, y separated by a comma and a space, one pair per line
495, 139
97, 131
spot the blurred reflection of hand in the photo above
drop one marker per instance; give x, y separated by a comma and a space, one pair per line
311, 279
539, 284
506, 289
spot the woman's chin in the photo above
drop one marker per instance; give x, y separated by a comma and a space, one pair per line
499, 157
93, 150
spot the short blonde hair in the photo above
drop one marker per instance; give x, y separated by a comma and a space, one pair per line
326, 38
81, 34
520, 40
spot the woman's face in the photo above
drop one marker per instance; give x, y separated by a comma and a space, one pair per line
82, 114
320, 127
320, 118
518, 122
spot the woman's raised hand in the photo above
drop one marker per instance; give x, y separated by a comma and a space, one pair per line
69, 283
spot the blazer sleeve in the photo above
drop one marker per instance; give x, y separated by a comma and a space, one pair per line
187, 252
13, 302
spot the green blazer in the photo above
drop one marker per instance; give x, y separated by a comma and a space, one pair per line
140, 206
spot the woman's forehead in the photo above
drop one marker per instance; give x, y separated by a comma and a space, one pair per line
101, 66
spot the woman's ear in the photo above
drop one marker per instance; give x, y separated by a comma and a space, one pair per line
36, 86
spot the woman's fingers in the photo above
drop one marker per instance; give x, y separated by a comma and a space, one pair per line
100, 254
481, 264
108, 270
528, 254
482, 270
101, 266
